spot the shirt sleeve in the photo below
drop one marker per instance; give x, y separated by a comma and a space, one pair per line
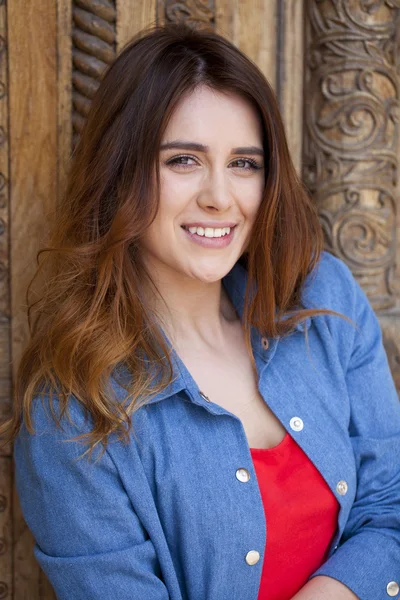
367, 559
88, 538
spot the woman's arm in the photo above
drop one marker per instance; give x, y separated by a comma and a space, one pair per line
324, 588
89, 540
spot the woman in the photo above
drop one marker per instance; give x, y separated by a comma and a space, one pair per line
232, 372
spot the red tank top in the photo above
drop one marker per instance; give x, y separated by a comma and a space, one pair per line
301, 514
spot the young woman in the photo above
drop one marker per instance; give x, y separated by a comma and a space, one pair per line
226, 375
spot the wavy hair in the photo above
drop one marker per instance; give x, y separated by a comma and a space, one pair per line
90, 318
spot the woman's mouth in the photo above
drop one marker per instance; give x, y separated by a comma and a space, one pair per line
210, 237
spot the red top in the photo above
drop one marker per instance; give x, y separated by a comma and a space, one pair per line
301, 514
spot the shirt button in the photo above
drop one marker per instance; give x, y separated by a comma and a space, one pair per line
242, 475
204, 396
252, 557
392, 588
342, 487
265, 343
296, 423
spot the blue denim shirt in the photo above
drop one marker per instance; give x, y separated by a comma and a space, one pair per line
165, 517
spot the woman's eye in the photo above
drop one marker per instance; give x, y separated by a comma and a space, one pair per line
177, 161
253, 163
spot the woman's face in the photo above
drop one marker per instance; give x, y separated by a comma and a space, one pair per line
212, 181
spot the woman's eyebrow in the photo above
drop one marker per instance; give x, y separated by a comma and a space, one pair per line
184, 145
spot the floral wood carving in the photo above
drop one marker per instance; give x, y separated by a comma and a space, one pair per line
200, 13
93, 49
350, 162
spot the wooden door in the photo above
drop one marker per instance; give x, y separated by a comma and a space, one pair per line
334, 67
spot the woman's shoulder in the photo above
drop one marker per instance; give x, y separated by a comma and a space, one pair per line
50, 406
332, 285
48, 417
331, 276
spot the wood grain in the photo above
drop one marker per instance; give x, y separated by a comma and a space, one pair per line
64, 93
289, 74
132, 17
33, 69
252, 26
5, 299
6, 537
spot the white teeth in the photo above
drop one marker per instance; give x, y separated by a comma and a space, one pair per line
210, 232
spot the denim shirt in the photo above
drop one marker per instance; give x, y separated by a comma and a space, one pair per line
166, 517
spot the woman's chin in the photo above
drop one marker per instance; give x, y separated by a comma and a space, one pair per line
210, 274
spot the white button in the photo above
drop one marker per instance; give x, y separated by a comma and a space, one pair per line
204, 396
252, 557
296, 423
335, 548
392, 588
342, 487
243, 475
265, 343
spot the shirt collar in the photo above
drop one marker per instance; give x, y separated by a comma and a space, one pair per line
235, 284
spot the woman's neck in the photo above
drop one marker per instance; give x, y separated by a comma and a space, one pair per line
192, 312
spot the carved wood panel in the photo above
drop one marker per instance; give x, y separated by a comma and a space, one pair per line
351, 135
94, 46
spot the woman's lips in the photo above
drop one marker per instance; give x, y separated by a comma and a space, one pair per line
211, 242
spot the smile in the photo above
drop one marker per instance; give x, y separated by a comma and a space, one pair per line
209, 232
210, 237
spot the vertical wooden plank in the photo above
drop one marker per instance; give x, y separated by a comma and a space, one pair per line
258, 34
290, 73
64, 92
6, 538
5, 309
32, 35
133, 16
252, 26
33, 127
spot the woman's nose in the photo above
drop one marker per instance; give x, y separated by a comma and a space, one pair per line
216, 192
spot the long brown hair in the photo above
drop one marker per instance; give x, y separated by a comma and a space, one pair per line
90, 318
